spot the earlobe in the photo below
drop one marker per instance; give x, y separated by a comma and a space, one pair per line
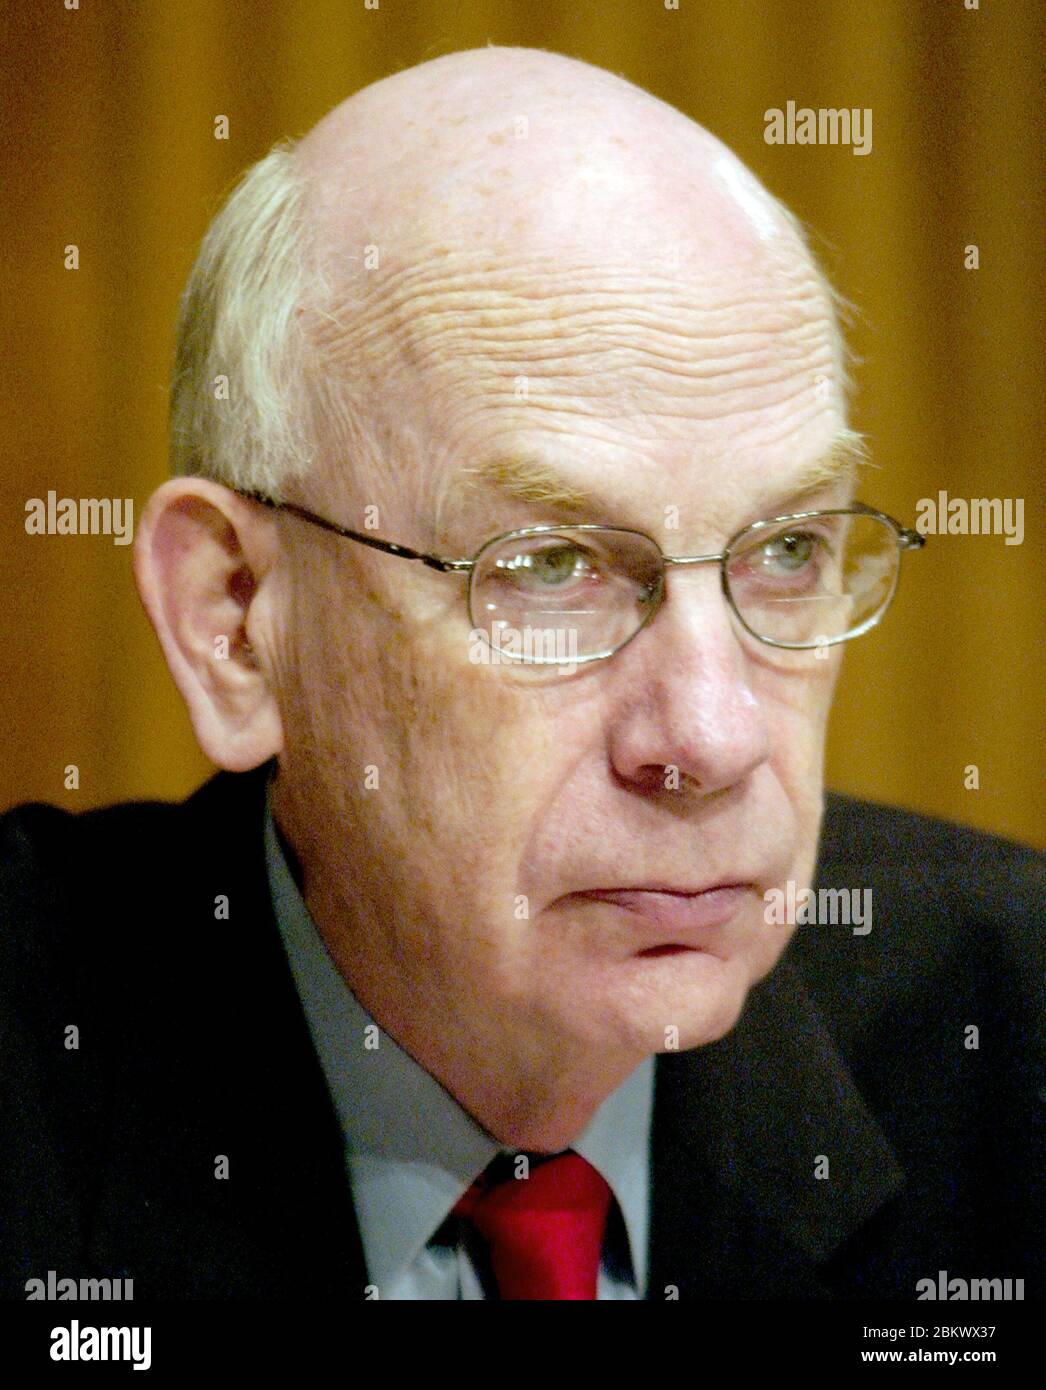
204, 564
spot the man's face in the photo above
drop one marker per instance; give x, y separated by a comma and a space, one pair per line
452, 816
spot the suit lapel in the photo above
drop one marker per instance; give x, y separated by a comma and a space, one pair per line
739, 1125
229, 1069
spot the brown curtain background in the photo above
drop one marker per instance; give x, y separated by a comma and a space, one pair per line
108, 140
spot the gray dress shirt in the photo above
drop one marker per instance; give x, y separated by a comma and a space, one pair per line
411, 1150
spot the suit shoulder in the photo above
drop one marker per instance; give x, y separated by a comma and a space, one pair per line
946, 912
898, 850
36, 837
85, 878
58, 868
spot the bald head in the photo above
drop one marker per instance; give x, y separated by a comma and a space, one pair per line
522, 146
510, 226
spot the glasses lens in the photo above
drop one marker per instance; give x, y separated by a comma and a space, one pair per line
815, 580
564, 596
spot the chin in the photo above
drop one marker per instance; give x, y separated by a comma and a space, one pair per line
699, 996
713, 1021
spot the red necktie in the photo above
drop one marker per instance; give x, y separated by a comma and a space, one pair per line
544, 1232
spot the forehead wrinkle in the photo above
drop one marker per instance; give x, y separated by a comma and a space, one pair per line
477, 323
402, 306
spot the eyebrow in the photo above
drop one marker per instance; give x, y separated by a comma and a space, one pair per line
524, 478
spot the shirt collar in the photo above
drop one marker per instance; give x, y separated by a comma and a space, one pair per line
411, 1148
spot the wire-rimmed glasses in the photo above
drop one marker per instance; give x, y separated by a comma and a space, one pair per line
565, 595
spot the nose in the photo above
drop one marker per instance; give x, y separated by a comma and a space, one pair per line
681, 694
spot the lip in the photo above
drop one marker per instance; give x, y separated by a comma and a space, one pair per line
680, 914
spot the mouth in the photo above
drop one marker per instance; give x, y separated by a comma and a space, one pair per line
685, 916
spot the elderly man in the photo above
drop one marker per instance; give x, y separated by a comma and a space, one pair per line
507, 576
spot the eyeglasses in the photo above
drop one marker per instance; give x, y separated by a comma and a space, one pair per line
564, 595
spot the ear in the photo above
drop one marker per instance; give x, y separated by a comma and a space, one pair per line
205, 566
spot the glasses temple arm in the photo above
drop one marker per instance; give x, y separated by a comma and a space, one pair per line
435, 562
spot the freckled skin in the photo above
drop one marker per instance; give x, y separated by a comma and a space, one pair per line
688, 384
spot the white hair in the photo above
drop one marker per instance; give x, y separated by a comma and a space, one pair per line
240, 393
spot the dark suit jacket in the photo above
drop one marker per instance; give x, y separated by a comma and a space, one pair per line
192, 1043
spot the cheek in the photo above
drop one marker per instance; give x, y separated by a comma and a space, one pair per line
767, 947
471, 756
796, 703
797, 708
462, 754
